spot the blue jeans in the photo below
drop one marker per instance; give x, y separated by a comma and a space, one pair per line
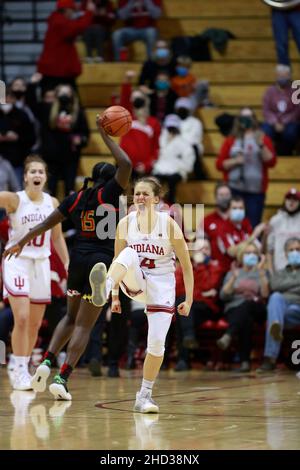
285, 140
126, 36
254, 204
284, 312
282, 21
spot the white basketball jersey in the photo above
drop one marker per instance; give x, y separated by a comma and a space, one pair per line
154, 250
28, 215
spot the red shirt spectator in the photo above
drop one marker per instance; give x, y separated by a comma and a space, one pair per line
104, 13
233, 235
206, 277
59, 57
141, 143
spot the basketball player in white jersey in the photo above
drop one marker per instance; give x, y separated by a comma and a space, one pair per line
26, 279
146, 246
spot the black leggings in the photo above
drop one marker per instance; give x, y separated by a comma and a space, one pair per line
241, 321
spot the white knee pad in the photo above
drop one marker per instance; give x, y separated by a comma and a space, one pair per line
128, 257
156, 347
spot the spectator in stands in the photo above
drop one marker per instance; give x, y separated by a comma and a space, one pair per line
160, 63
192, 131
281, 115
214, 224
16, 135
176, 156
244, 291
64, 132
282, 226
99, 31
140, 24
244, 159
283, 305
284, 20
8, 178
162, 98
142, 141
186, 85
19, 89
207, 281
59, 61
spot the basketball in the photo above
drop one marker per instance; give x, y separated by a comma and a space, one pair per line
116, 121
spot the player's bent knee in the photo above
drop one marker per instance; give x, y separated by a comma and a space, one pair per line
156, 347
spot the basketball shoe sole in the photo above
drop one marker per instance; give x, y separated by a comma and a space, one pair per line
59, 392
39, 380
97, 279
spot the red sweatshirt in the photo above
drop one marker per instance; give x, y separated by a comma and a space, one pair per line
206, 277
141, 143
59, 57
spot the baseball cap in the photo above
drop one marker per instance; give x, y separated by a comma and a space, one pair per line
184, 103
172, 120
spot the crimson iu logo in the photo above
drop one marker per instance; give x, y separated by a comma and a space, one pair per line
19, 282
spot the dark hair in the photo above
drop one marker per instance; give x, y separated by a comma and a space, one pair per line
221, 184
101, 173
237, 199
34, 158
154, 182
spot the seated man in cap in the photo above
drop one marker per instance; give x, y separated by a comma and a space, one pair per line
285, 224
176, 157
284, 303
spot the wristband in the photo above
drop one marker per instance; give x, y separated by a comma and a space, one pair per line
115, 291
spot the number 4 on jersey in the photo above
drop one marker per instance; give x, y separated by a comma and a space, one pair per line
148, 263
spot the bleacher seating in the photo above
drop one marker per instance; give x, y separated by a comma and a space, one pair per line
238, 78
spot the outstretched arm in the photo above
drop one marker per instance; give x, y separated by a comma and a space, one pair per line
123, 161
182, 253
53, 219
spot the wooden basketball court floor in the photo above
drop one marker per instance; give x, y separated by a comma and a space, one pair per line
198, 410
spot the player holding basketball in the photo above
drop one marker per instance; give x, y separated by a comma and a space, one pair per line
144, 264
26, 280
85, 209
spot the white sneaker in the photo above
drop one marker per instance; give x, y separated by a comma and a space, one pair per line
39, 380
97, 279
59, 389
22, 381
11, 364
145, 404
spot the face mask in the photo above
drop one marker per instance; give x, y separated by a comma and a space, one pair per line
223, 204
6, 108
183, 113
237, 215
18, 94
294, 258
246, 122
250, 259
162, 85
162, 53
283, 82
181, 71
139, 103
64, 100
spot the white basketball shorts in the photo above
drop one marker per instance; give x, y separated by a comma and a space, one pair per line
26, 277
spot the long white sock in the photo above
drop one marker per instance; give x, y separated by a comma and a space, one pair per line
21, 364
110, 284
146, 388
